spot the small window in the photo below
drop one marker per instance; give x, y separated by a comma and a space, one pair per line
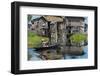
32, 29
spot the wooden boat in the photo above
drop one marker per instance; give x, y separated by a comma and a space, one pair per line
48, 47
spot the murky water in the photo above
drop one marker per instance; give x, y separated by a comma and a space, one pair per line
62, 53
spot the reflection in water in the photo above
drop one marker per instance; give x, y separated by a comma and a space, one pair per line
58, 53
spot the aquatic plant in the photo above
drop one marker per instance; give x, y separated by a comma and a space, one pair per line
78, 38
35, 40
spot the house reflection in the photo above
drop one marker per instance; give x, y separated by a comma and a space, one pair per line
60, 53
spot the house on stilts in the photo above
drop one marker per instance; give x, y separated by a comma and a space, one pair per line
57, 28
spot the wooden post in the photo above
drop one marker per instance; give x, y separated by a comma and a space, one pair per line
49, 32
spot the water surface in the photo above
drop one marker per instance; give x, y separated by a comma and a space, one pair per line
57, 54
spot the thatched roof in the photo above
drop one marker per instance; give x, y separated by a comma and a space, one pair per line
49, 18
53, 18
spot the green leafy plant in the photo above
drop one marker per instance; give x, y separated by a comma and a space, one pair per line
29, 17
35, 40
77, 38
